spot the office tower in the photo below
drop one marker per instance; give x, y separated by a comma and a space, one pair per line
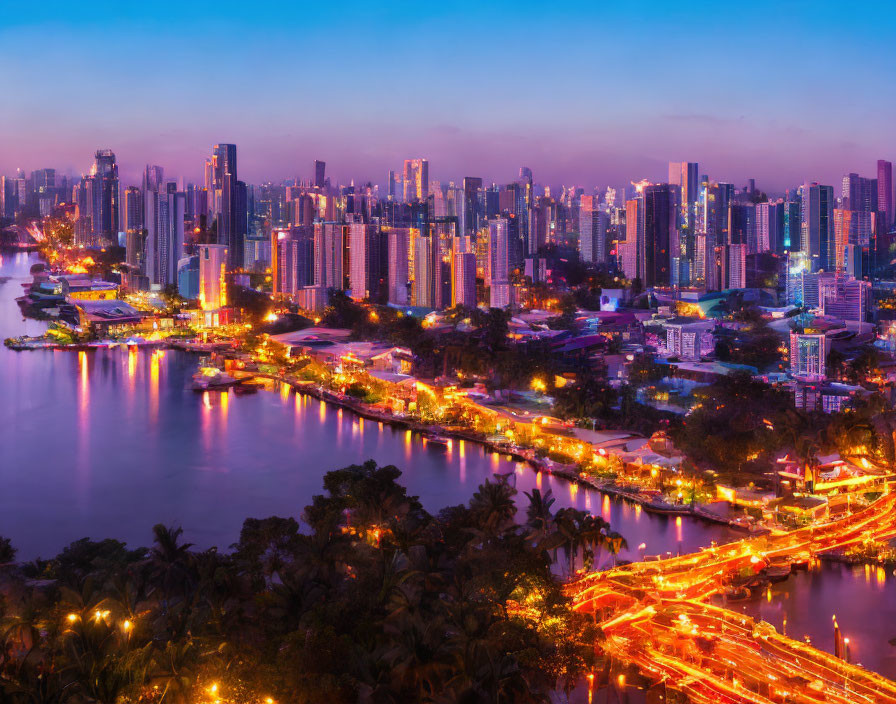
742, 225
474, 205
885, 191
229, 202
153, 177
188, 277
164, 212
422, 284
416, 179
212, 270
769, 226
858, 193
292, 269
463, 292
399, 244
96, 198
133, 209
844, 298
734, 266
106, 194
817, 225
684, 174
365, 260
808, 354
660, 203
629, 259
593, 225
320, 169
329, 255
539, 227
852, 261
792, 233
851, 227
500, 247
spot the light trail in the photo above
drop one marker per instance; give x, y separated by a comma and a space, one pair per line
654, 615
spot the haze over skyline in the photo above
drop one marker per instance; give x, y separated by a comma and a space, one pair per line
597, 96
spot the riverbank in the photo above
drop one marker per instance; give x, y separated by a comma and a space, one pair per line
540, 464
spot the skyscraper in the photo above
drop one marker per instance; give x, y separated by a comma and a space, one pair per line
817, 226
416, 179
229, 210
769, 226
399, 243
593, 224
320, 168
463, 290
660, 204
684, 174
212, 269
885, 191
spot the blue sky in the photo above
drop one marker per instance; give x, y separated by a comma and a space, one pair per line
585, 93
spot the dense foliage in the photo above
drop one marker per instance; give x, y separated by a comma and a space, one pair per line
373, 600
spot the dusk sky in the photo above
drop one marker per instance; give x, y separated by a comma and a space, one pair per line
585, 93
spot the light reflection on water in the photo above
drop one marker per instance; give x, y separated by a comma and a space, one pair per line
147, 449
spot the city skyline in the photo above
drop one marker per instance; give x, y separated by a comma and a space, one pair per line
590, 101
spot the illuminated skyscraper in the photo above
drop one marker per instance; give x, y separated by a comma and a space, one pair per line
808, 354
212, 269
365, 259
399, 243
329, 255
593, 224
463, 288
416, 179
769, 226
885, 191
229, 202
817, 226
684, 174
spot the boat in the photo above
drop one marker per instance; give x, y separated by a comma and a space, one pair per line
437, 439
777, 572
212, 379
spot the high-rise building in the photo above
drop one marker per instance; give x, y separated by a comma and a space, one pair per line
400, 254
366, 256
808, 355
500, 254
422, 284
320, 169
292, 269
845, 298
858, 193
229, 202
416, 179
684, 174
593, 225
463, 291
212, 270
660, 204
885, 191
742, 225
817, 225
769, 226
329, 255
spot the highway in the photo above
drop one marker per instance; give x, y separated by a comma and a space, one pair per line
655, 615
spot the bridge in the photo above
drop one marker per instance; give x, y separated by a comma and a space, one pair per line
656, 616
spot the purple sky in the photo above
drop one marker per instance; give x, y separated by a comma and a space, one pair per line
583, 95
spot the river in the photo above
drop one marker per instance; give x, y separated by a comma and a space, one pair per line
108, 442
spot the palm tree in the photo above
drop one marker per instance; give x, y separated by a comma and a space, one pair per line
492, 506
171, 559
539, 517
